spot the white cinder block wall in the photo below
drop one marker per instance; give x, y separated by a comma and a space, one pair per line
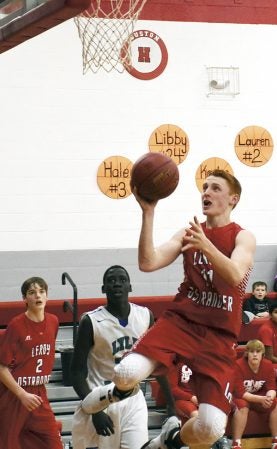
57, 125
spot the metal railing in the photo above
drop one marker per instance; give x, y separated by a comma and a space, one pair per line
72, 307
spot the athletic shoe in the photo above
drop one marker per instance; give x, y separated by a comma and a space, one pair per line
222, 443
101, 397
170, 427
236, 446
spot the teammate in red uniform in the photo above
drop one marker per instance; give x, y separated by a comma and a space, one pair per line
202, 324
255, 389
182, 387
181, 381
267, 333
26, 361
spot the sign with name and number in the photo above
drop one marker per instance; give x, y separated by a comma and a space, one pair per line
170, 140
113, 177
254, 146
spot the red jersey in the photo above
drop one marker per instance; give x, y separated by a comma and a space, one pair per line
182, 388
245, 380
204, 297
28, 348
268, 335
181, 383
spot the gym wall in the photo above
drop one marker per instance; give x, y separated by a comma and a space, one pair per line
58, 125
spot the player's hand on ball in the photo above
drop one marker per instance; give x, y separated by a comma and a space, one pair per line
103, 424
144, 204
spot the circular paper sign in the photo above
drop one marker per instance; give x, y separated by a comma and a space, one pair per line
254, 146
206, 167
170, 140
113, 177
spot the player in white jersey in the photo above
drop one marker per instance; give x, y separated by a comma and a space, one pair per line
104, 335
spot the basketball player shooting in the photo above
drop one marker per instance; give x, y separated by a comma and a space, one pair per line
201, 326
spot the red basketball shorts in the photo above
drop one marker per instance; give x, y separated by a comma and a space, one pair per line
21, 429
209, 354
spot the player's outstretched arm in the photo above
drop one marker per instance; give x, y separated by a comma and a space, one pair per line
151, 258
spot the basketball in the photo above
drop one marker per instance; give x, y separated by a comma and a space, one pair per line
155, 176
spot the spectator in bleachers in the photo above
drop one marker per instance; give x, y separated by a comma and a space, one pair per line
254, 389
104, 335
26, 362
258, 304
267, 333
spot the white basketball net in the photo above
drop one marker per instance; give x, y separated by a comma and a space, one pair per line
104, 32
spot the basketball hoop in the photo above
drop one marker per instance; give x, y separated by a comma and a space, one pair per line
104, 29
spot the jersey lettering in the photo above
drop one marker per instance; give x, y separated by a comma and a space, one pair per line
39, 365
207, 275
185, 374
211, 299
41, 350
124, 343
227, 392
200, 259
32, 381
252, 386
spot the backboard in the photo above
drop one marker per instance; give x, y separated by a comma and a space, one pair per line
23, 19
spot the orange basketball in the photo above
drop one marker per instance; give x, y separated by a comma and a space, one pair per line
155, 176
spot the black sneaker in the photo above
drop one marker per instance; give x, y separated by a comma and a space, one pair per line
222, 443
169, 429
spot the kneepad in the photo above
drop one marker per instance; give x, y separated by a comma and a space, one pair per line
131, 370
210, 423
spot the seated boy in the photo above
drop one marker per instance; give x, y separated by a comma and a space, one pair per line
258, 303
254, 389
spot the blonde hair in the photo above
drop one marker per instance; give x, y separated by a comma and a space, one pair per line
254, 345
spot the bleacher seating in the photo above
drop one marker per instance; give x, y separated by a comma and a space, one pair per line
63, 398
